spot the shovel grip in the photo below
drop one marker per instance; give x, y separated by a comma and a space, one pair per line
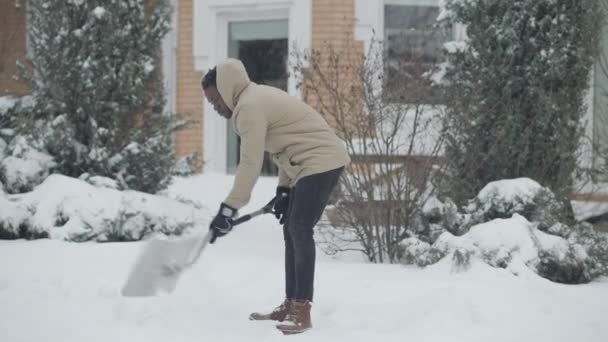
264, 210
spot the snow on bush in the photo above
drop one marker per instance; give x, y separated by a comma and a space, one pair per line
510, 223
6, 103
13, 218
24, 166
2, 148
71, 209
436, 218
503, 198
99, 181
24, 162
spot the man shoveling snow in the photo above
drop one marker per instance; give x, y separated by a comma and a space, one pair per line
310, 158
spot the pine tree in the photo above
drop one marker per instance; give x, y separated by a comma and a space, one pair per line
97, 84
516, 90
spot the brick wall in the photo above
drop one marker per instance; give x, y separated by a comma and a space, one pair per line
189, 97
12, 46
332, 20
333, 34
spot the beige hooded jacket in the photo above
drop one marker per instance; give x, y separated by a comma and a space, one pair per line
268, 119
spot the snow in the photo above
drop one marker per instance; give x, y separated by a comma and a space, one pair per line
444, 13
6, 103
71, 291
2, 148
432, 204
68, 208
584, 210
505, 239
510, 190
455, 46
21, 171
24, 165
424, 126
99, 12
12, 215
502, 194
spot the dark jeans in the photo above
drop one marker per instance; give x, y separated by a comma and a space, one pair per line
307, 202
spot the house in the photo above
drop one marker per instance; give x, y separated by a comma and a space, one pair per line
263, 34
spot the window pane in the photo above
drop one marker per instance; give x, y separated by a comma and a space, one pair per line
254, 30
412, 48
410, 29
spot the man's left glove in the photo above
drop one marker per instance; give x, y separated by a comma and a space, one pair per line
281, 204
222, 223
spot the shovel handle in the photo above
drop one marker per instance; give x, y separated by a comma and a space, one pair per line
264, 210
209, 236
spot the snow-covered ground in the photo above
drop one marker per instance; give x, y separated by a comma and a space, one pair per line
56, 291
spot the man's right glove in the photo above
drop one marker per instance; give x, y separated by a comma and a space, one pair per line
281, 204
222, 223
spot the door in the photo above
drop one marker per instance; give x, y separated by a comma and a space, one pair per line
262, 47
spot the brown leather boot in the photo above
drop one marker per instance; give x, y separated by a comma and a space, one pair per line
298, 320
278, 314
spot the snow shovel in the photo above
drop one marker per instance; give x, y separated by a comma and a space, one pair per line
161, 262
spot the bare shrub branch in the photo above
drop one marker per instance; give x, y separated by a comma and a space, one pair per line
394, 142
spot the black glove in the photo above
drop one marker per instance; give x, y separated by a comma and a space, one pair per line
222, 223
281, 204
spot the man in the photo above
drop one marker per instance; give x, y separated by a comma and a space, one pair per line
310, 158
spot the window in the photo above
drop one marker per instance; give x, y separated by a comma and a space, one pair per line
412, 48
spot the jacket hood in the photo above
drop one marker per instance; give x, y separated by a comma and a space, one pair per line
231, 80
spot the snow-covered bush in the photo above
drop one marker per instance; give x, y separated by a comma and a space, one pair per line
523, 196
98, 89
438, 217
511, 223
13, 220
24, 165
74, 210
7, 104
24, 161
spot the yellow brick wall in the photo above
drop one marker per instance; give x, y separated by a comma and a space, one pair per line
332, 20
12, 46
333, 33
189, 97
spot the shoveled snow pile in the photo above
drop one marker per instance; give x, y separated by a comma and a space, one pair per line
70, 209
513, 223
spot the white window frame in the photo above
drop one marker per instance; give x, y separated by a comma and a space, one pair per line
210, 47
169, 62
586, 149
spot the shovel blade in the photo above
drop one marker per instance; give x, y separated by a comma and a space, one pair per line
159, 265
